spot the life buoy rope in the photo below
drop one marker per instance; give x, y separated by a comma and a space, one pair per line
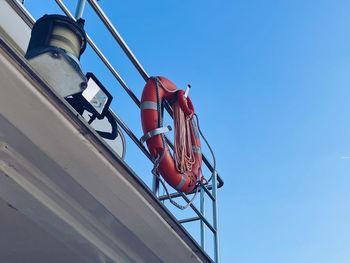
183, 151
183, 172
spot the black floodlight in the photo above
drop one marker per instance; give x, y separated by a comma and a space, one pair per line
95, 99
97, 96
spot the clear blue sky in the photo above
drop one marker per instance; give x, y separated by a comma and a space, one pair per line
271, 85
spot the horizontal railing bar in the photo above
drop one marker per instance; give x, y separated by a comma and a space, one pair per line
194, 208
119, 39
114, 72
172, 195
188, 220
177, 194
131, 135
102, 57
211, 169
206, 190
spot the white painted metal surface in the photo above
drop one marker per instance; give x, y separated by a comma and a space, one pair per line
118, 145
59, 73
11, 24
27, 242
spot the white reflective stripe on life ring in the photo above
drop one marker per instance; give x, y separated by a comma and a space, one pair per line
148, 105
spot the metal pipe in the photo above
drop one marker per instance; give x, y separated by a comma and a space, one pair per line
80, 9
103, 58
131, 135
187, 91
20, 5
188, 220
215, 220
202, 210
195, 209
155, 185
211, 169
118, 38
206, 189
178, 194
113, 71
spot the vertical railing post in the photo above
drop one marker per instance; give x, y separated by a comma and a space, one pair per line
80, 9
215, 219
155, 185
202, 210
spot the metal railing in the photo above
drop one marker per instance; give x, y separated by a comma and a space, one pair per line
209, 191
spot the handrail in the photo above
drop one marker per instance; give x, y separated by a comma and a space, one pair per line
111, 28
178, 194
102, 57
133, 97
206, 189
119, 39
136, 63
217, 182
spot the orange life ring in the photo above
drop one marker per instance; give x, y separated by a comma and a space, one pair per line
155, 91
